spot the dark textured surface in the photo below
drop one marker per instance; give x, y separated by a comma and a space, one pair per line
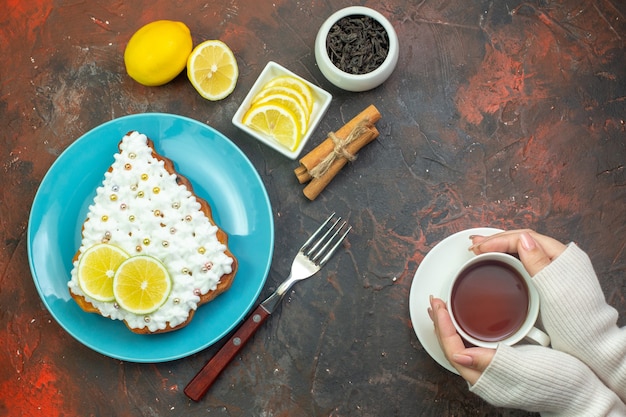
503, 114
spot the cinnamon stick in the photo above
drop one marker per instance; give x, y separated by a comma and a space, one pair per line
369, 116
302, 174
317, 185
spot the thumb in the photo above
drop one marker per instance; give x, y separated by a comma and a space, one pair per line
532, 254
475, 358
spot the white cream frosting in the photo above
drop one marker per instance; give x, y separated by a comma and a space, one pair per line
143, 210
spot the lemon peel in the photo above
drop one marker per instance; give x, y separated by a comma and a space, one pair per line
157, 52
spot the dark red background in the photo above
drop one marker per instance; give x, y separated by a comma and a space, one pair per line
507, 114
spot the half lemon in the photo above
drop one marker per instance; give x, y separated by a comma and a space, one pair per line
212, 70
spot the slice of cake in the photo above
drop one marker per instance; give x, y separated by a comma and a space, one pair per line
144, 207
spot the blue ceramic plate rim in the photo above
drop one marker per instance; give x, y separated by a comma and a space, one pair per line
219, 173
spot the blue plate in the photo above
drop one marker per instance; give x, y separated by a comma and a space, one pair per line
219, 173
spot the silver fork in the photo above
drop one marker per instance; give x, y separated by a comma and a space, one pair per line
315, 252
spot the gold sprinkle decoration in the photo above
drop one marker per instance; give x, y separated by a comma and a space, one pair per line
157, 213
138, 248
132, 155
131, 218
113, 197
156, 190
201, 250
165, 244
176, 205
144, 177
128, 167
176, 300
185, 271
140, 194
188, 218
105, 218
146, 241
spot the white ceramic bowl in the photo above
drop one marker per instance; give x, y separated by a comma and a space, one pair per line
356, 82
321, 102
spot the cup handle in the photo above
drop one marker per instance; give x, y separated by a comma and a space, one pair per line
539, 337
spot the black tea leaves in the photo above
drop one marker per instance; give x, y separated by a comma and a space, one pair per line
357, 44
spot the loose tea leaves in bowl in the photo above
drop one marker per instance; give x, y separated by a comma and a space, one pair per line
357, 44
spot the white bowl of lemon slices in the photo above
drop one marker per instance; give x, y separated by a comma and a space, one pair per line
282, 110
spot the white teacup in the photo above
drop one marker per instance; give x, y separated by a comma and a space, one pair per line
492, 300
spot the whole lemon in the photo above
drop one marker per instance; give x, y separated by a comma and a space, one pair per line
158, 52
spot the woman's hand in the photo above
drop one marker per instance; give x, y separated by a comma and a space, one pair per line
536, 251
470, 362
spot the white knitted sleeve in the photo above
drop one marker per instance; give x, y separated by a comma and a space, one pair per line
545, 380
578, 319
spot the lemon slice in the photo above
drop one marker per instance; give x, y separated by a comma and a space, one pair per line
275, 121
295, 84
141, 284
290, 103
96, 269
212, 70
279, 89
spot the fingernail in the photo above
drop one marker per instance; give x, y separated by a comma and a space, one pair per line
433, 304
474, 245
463, 360
528, 242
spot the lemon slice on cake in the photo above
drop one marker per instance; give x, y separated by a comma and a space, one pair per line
141, 284
212, 70
96, 269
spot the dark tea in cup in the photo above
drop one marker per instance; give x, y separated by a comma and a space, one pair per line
490, 300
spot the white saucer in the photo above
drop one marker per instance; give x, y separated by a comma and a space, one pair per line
431, 277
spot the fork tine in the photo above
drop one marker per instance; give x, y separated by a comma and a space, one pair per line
311, 248
321, 239
332, 250
326, 242
317, 232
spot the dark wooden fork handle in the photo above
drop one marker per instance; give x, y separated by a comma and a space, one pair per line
200, 384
